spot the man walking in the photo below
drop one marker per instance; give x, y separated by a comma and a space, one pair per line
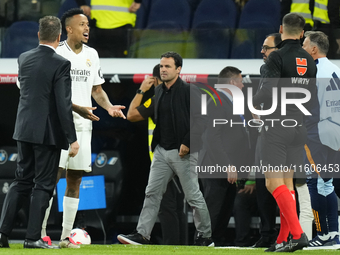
171, 142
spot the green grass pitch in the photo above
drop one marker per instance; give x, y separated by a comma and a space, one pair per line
147, 250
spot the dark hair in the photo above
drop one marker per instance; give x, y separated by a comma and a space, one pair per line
177, 58
277, 38
68, 15
227, 73
156, 72
49, 29
293, 23
319, 39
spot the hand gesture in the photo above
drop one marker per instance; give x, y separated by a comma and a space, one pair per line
86, 113
116, 111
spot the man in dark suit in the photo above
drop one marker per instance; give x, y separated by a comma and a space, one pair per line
227, 146
43, 127
174, 153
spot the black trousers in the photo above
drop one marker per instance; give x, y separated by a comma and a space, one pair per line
171, 215
35, 179
245, 206
219, 195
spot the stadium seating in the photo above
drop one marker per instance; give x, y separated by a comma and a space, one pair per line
142, 14
174, 14
68, 4
166, 30
258, 19
212, 28
21, 36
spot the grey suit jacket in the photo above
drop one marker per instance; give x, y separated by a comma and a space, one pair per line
45, 108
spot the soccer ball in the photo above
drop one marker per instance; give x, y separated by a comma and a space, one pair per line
80, 236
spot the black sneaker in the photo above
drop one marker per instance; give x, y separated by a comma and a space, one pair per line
204, 241
133, 238
276, 246
295, 244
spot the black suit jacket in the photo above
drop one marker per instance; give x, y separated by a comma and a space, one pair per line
186, 117
45, 108
224, 145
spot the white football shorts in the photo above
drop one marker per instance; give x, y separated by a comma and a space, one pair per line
82, 161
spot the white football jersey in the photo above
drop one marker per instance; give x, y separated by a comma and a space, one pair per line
85, 73
328, 84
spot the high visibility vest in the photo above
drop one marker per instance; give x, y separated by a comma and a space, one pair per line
151, 127
320, 11
302, 7
112, 13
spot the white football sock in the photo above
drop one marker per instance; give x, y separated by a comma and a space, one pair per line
306, 214
70, 205
324, 237
333, 234
47, 214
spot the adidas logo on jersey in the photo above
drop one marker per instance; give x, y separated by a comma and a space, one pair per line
334, 83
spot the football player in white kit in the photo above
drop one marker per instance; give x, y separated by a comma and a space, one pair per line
323, 144
86, 82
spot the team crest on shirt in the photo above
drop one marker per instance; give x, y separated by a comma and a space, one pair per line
88, 63
301, 66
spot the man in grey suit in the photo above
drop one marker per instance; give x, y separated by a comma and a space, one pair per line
43, 127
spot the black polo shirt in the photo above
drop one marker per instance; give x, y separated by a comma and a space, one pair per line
168, 138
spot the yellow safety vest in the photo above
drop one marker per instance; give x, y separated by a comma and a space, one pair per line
302, 7
151, 127
320, 11
112, 13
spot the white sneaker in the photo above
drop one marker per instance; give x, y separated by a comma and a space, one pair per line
68, 243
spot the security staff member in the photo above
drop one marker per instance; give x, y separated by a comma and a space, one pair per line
317, 13
113, 19
283, 146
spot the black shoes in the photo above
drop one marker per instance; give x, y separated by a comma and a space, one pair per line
133, 238
263, 243
204, 241
3, 241
275, 247
29, 244
294, 244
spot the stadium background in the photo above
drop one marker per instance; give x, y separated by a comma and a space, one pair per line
209, 38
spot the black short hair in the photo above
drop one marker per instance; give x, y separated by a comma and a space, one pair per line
49, 29
156, 72
293, 23
227, 73
277, 38
319, 39
177, 58
69, 14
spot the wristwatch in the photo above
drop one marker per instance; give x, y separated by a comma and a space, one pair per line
139, 91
